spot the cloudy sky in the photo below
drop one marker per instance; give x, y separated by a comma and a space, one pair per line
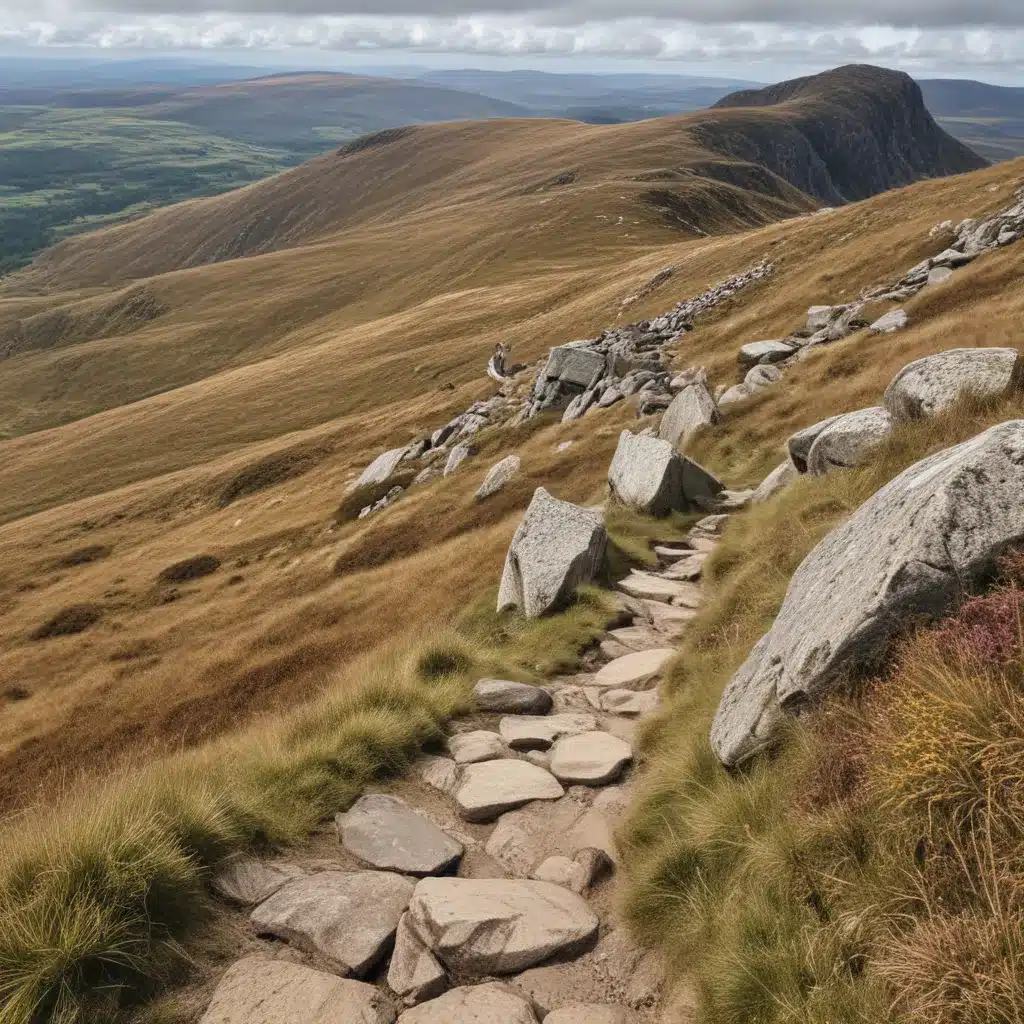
757, 39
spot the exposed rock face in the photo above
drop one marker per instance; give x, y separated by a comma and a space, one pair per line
935, 529
845, 442
349, 917
489, 789
800, 443
557, 548
690, 410
475, 1004
260, 991
384, 832
505, 697
756, 352
648, 474
934, 383
497, 476
499, 926
570, 371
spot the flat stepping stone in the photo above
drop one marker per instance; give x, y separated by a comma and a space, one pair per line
261, 991
687, 569
529, 733
667, 618
591, 1013
634, 671
348, 917
649, 587
488, 790
504, 697
414, 973
440, 773
631, 703
479, 927
593, 759
637, 638
386, 833
476, 746
493, 1003
577, 873
670, 553
248, 880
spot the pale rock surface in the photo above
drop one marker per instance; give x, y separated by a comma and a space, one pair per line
478, 745
493, 787
248, 881
498, 476
629, 702
800, 443
440, 773
456, 458
763, 375
737, 393
578, 873
637, 638
929, 385
522, 839
939, 275
648, 474
530, 732
414, 973
380, 470
348, 917
690, 410
893, 321
590, 759
634, 671
686, 570
387, 834
556, 548
260, 991
848, 440
764, 352
648, 586
777, 480
492, 1003
499, 926
504, 697
591, 1013
924, 537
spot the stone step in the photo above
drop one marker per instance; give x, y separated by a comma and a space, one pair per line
649, 587
634, 671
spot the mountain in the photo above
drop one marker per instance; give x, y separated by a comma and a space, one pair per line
989, 118
849, 133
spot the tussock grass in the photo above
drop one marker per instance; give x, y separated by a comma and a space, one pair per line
868, 871
74, 619
189, 569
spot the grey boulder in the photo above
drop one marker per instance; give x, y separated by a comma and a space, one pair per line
457, 457
648, 474
893, 321
690, 410
414, 973
764, 352
800, 443
845, 442
261, 991
505, 697
348, 917
922, 539
499, 926
763, 375
929, 385
384, 832
556, 548
498, 476
737, 393
380, 470
777, 480
577, 367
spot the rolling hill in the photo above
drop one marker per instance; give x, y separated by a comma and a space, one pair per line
989, 118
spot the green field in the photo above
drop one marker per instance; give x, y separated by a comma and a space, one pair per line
64, 170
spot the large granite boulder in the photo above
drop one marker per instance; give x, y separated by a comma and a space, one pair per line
648, 474
492, 1003
800, 443
846, 441
556, 548
505, 697
348, 917
690, 410
499, 926
386, 833
936, 529
261, 991
929, 385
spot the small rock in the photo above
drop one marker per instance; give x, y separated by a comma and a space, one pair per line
248, 881
953, 258
476, 746
498, 476
536, 733
504, 697
658, 588
777, 480
488, 790
349, 917
591, 759
737, 393
458, 455
636, 638
630, 703
474, 1004
939, 275
893, 321
440, 773
414, 973
539, 758
686, 570
634, 671
762, 376
668, 619
578, 873
261, 991
557, 548
764, 352
591, 1013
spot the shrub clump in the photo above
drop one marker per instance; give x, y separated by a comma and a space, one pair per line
76, 618
190, 569
267, 472
83, 556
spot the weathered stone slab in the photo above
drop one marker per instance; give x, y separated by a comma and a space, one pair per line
248, 881
498, 476
440, 773
414, 973
921, 540
630, 703
482, 927
456, 458
380, 470
764, 352
504, 697
637, 638
488, 790
476, 746
634, 671
349, 917
893, 321
648, 586
929, 385
777, 480
475, 1004
692, 409
538, 733
557, 548
387, 834
847, 441
799, 444
261, 991
578, 367
590, 759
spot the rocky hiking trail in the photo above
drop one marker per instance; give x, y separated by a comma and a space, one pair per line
480, 887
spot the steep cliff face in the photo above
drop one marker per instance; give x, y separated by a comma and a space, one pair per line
839, 136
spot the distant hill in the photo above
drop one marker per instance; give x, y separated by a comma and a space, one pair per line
989, 118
